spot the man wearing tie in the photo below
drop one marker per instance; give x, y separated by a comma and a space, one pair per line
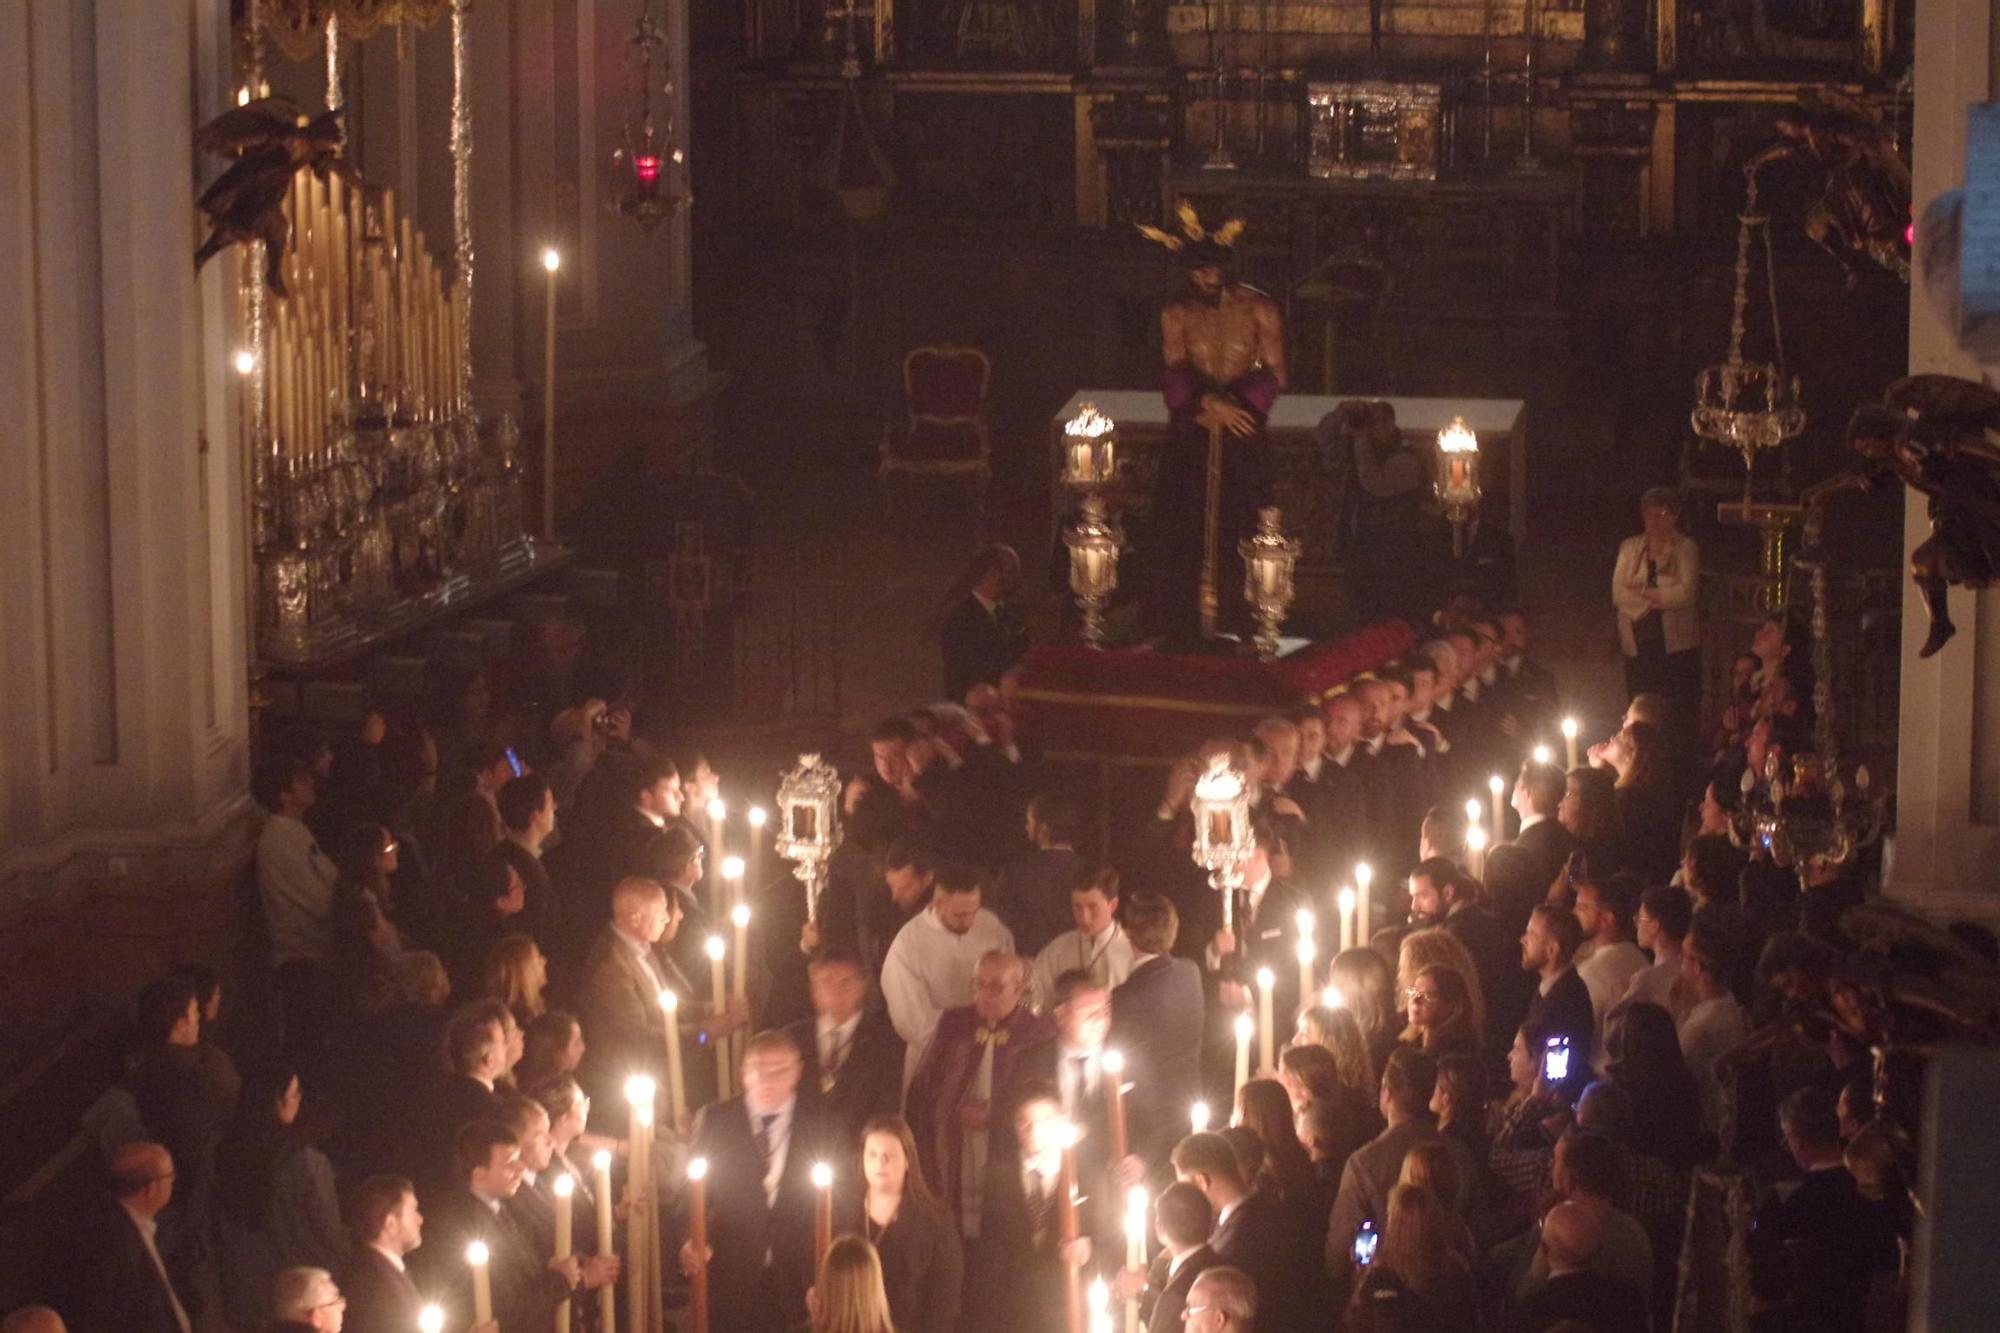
382, 1214
761, 1148
126, 1287
527, 1284
853, 1058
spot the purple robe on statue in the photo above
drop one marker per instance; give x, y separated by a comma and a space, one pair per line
946, 1079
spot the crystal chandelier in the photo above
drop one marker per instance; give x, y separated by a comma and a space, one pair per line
1749, 406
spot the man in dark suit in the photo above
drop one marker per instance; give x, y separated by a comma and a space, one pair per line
1562, 1002
1391, 767
527, 806
124, 1285
1252, 1231
853, 1057
1528, 687
1019, 1265
983, 637
1815, 1249
1157, 1024
476, 1049
1183, 1221
383, 1218
1576, 1292
1518, 873
527, 1285
1442, 895
1336, 805
1265, 936
619, 998
1032, 895
1408, 1080
761, 1148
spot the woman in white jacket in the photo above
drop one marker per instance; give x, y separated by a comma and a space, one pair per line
1654, 587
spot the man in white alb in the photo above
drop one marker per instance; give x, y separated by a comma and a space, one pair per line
1097, 945
929, 966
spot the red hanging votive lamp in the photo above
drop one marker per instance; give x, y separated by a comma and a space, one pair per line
647, 160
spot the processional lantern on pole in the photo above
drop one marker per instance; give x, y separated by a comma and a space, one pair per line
809, 824
1222, 836
1268, 561
1090, 449
1456, 475
1094, 538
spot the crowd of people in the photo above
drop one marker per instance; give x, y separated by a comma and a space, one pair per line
1488, 1112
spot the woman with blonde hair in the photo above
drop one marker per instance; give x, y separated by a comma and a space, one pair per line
1419, 1253
1438, 947
1441, 1013
1367, 989
848, 1298
516, 974
1340, 1033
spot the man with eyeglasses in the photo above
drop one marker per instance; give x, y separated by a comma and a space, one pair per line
305, 1300
1220, 1298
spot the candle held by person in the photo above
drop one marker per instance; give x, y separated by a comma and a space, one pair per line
1570, 730
552, 265
1308, 954
477, 1255
1068, 1226
1246, 1027
822, 1180
430, 1319
1475, 852
1364, 902
1267, 1055
607, 1295
564, 1189
1198, 1117
1099, 1302
670, 1005
716, 950
639, 1239
1498, 786
1346, 900
1331, 998
1135, 1247
1112, 1064
697, 1172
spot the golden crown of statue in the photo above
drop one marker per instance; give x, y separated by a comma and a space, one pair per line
1196, 245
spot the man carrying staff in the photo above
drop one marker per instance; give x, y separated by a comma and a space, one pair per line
1224, 347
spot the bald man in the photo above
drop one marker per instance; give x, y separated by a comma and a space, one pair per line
1571, 1237
33, 1319
620, 998
125, 1286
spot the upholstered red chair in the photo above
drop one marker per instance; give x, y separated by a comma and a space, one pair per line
943, 430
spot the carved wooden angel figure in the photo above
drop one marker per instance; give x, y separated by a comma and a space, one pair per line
1936, 434
1860, 208
270, 138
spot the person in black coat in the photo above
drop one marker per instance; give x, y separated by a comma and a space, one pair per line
1157, 1024
1518, 873
1253, 1231
1032, 895
476, 1047
1441, 895
381, 1297
1183, 1221
923, 1263
983, 637
123, 1286
761, 1148
853, 1057
1019, 1266
1561, 1005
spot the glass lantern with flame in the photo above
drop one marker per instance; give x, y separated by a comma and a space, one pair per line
1268, 561
1456, 477
1222, 836
809, 824
1749, 406
1090, 449
1094, 541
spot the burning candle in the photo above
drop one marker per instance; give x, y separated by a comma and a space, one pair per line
1569, 739
1498, 786
1364, 902
564, 1189
718, 829
639, 1238
1475, 852
607, 1295
670, 1005
1473, 811
1308, 953
753, 856
1332, 998
1099, 1301
822, 1179
716, 949
698, 1241
477, 1255
1245, 1026
430, 1319
1066, 1223
1267, 1055
1198, 1117
739, 917
1135, 1247
1540, 754
1345, 899
552, 264
1112, 1065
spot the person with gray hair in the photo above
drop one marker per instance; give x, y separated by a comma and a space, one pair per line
1221, 1298
305, 1300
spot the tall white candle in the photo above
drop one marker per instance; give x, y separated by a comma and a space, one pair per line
1569, 739
716, 949
607, 1295
552, 263
670, 1004
1345, 898
1245, 1027
1498, 786
1364, 903
1267, 1055
477, 1255
565, 1192
1135, 1247
1308, 954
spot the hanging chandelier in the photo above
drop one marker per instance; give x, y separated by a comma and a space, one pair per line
648, 162
1749, 406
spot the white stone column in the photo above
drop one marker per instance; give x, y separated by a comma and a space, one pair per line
1948, 764
123, 723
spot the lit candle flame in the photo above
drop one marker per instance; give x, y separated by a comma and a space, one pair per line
697, 1168
1569, 728
1246, 1026
669, 1001
1307, 922
565, 1185
718, 809
1331, 998
732, 867
1472, 809
739, 915
431, 1320
601, 1159
1496, 784
1541, 754
476, 1254
1113, 1062
714, 948
551, 258
758, 815
822, 1176
1265, 980
246, 361
1198, 1117
639, 1090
